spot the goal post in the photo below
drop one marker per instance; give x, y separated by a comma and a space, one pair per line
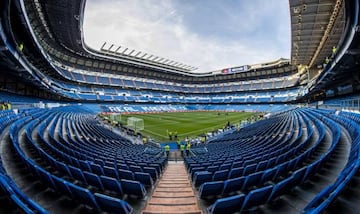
115, 117
137, 124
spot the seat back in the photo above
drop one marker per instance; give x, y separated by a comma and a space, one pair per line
281, 188
227, 205
236, 172
252, 180
144, 178
257, 197
112, 205
233, 184
111, 184
220, 175
93, 180
210, 189
77, 174
152, 172
110, 171
268, 175
133, 188
61, 186
83, 196
250, 169
126, 174
202, 177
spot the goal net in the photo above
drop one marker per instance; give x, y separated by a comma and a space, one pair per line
115, 117
135, 123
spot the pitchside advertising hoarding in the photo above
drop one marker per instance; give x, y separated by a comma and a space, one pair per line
142, 108
239, 69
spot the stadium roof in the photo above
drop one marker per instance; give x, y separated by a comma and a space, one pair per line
209, 35
316, 26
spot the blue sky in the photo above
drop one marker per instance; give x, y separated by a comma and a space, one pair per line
208, 34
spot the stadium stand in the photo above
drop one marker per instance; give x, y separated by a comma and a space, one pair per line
56, 156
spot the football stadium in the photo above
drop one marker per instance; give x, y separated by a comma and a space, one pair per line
117, 129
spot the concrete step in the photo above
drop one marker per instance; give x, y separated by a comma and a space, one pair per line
174, 182
172, 209
174, 193
172, 185
174, 189
174, 201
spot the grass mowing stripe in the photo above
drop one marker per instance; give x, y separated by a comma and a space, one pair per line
185, 123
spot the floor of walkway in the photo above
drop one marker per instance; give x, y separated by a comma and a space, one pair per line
174, 193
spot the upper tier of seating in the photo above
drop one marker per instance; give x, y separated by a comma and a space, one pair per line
106, 93
138, 83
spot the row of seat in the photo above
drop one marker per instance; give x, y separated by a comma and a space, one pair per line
7, 186
323, 200
237, 151
283, 176
102, 183
244, 168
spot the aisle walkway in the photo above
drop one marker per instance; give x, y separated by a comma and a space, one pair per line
173, 193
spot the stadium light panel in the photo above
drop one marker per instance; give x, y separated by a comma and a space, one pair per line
124, 50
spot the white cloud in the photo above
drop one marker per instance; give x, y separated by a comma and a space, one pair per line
157, 28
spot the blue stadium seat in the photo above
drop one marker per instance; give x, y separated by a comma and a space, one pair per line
257, 197
144, 178
63, 168
268, 175
77, 174
220, 175
225, 166
211, 189
62, 186
233, 184
84, 165
112, 205
271, 162
126, 174
236, 164
299, 175
252, 180
122, 166
111, 184
21, 204
291, 165
135, 168
83, 195
96, 168
227, 205
110, 172
193, 170
261, 166
93, 180
212, 168
133, 188
45, 177
281, 169
236, 172
311, 169
281, 188
250, 169
202, 177
152, 172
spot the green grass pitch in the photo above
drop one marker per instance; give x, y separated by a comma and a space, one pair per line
189, 124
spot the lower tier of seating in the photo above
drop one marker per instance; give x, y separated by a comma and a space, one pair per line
63, 160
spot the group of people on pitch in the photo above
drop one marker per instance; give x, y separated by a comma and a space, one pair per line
181, 146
